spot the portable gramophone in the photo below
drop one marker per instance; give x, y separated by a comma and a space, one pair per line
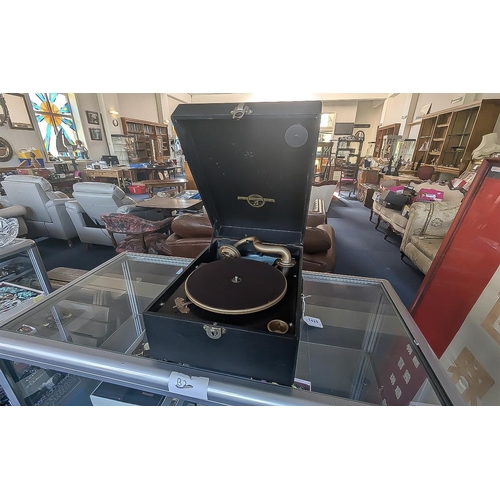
237, 307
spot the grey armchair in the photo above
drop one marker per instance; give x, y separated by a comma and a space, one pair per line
46, 213
93, 199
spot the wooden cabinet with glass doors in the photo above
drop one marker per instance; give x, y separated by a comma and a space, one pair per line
151, 139
447, 138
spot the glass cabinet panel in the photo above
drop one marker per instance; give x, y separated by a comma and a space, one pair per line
367, 351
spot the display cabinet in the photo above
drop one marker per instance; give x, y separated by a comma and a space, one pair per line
404, 149
125, 150
447, 138
368, 350
387, 130
21, 264
151, 139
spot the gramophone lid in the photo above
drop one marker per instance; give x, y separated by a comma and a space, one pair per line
253, 164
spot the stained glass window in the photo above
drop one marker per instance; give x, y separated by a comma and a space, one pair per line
55, 121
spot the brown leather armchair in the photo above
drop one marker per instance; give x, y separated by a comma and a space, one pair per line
192, 233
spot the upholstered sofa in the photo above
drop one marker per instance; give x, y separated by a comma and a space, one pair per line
425, 231
395, 220
192, 233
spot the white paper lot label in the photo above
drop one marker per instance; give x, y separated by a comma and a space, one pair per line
194, 387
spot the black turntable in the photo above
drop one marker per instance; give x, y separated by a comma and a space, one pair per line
237, 308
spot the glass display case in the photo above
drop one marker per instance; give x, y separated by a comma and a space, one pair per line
125, 149
21, 265
361, 346
388, 146
404, 149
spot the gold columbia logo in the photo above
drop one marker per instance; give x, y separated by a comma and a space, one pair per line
256, 200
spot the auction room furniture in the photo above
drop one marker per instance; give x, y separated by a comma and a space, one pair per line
21, 263
8, 211
425, 172
365, 193
324, 191
385, 131
151, 139
323, 156
179, 184
447, 138
349, 178
66, 186
151, 173
368, 176
192, 233
46, 210
141, 235
395, 220
170, 205
118, 174
369, 351
400, 179
425, 231
91, 200
349, 149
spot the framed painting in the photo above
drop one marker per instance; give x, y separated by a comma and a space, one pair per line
92, 117
95, 134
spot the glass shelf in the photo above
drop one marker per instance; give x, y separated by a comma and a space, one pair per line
369, 351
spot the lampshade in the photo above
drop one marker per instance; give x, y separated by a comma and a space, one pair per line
425, 146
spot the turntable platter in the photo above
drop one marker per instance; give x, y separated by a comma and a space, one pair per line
235, 286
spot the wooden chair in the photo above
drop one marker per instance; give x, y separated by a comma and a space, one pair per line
348, 178
425, 172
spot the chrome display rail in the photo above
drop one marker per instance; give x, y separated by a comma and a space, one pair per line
139, 277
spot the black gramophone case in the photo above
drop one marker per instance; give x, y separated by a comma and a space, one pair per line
253, 165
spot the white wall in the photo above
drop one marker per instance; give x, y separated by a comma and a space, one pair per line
89, 102
368, 113
394, 109
138, 106
22, 139
439, 102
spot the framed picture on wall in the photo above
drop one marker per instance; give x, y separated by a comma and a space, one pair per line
95, 134
92, 117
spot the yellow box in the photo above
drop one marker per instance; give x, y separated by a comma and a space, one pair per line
24, 154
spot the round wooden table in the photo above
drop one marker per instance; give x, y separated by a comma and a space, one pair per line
180, 184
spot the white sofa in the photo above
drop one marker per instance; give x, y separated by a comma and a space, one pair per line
46, 213
394, 219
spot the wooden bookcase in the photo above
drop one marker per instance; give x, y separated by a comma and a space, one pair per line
381, 133
151, 139
447, 138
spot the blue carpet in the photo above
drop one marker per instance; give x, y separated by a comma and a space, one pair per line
57, 253
362, 251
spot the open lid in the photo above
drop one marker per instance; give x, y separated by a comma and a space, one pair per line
253, 165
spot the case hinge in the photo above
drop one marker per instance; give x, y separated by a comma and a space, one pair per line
241, 110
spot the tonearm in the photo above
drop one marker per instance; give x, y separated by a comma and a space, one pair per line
232, 252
